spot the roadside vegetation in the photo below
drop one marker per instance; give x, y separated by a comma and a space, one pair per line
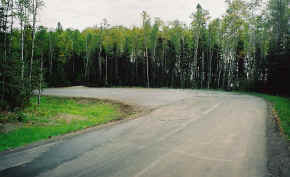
282, 108
55, 116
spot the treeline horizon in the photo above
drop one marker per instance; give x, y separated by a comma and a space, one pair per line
242, 50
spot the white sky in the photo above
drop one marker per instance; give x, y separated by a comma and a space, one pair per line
79, 14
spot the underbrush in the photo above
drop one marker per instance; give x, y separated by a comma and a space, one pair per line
282, 107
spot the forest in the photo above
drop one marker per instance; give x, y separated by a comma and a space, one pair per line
248, 49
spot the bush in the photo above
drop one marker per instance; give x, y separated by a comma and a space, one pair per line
254, 86
279, 72
15, 92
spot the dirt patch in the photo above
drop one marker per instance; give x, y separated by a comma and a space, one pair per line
83, 101
278, 148
86, 100
126, 110
69, 117
8, 127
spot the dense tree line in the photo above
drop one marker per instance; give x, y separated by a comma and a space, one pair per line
19, 63
247, 48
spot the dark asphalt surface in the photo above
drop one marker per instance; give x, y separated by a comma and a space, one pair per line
189, 133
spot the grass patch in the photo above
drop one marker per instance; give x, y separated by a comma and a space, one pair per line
282, 107
55, 116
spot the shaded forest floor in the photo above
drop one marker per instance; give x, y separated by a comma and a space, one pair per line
56, 116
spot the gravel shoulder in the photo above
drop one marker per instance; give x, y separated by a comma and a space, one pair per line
278, 148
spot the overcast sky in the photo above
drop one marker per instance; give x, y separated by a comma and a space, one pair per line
79, 14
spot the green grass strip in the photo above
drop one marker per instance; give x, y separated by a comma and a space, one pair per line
57, 116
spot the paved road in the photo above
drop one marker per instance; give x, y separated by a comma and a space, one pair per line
189, 133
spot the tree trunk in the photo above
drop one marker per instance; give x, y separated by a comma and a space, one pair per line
202, 71
87, 60
220, 66
153, 70
3, 57
136, 69
11, 27
106, 83
117, 80
50, 55
34, 13
147, 59
100, 64
22, 43
195, 57
40, 79
209, 78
